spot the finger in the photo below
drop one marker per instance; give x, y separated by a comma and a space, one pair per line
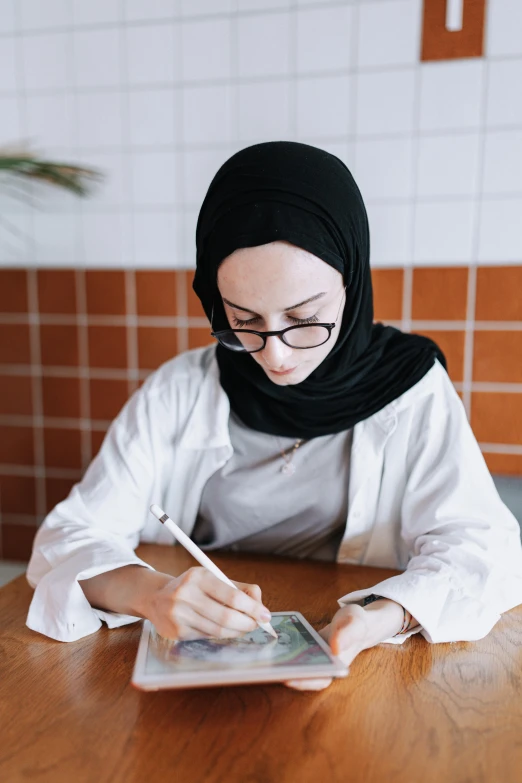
254, 591
309, 685
235, 599
217, 613
191, 621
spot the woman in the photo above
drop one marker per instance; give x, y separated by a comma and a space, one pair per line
309, 432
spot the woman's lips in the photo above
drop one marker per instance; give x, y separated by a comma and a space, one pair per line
283, 372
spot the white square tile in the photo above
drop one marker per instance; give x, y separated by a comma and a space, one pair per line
504, 81
38, 15
10, 128
152, 53
451, 94
389, 33
503, 163
8, 17
156, 239
317, 2
99, 119
153, 117
324, 39
15, 230
264, 111
390, 234
385, 102
504, 23
448, 165
154, 178
444, 232
46, 60
384, 168
152, 9
199, 169
203, 7
97, 58
50, 120
55, 238
323, 106
261, 5
8, 78
207, 114
96, 11
500, 237
102, 238
264, 45
206, 49
112, 188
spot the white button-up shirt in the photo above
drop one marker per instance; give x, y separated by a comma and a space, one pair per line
420, 499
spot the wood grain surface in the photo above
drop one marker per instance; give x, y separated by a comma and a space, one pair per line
419, 712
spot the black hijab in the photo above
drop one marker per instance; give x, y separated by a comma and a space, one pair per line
306, 196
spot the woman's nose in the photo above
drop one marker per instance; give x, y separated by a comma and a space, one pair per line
276, 353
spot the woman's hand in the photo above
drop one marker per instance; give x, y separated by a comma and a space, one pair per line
354, 629
198, 604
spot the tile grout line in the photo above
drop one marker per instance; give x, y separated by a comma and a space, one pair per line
83, 359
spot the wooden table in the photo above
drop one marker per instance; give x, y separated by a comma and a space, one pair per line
450, 713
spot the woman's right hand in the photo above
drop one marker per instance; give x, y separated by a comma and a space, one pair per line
198, 604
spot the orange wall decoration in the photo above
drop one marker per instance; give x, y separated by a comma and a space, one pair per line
439, 43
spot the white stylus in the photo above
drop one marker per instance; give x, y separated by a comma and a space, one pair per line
200, 556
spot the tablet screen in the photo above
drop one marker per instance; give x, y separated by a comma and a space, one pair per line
294, 646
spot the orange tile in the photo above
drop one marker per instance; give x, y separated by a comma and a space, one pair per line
16, 446
439, 43
13, 291
14, 344
452, 345
108, 396
61, 397
16, 397
156, 292
96, 441
56, 490
387, 294
156, 345
57, 291
440, 294
59, 345
496, 417
497, 357
17, 541
504, 464
105, 290
108, 346
17, 494
199, 337
194, 306
499, 293
62, 448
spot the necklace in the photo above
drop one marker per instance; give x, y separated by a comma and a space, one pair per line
288, 469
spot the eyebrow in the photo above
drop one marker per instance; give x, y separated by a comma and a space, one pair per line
293, 307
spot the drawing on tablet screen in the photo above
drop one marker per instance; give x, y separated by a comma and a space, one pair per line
294, 646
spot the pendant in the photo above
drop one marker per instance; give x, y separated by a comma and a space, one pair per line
288, 469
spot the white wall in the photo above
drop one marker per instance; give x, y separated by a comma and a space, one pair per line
158, 93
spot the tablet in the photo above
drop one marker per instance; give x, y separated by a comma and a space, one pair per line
298, 652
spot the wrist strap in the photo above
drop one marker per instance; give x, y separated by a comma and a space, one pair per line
406, 620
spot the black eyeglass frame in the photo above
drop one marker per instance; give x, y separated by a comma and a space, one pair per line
279, 333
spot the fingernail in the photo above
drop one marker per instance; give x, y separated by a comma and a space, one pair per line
265, 616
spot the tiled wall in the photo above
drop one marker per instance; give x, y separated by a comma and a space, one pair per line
157, 95
74, 344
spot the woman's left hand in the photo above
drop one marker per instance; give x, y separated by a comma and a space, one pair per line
354, 629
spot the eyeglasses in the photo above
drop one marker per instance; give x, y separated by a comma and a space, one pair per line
302, 336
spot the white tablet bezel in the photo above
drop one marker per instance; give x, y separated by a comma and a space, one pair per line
202, 679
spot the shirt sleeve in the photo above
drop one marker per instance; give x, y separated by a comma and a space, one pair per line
94, 530
465, 554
